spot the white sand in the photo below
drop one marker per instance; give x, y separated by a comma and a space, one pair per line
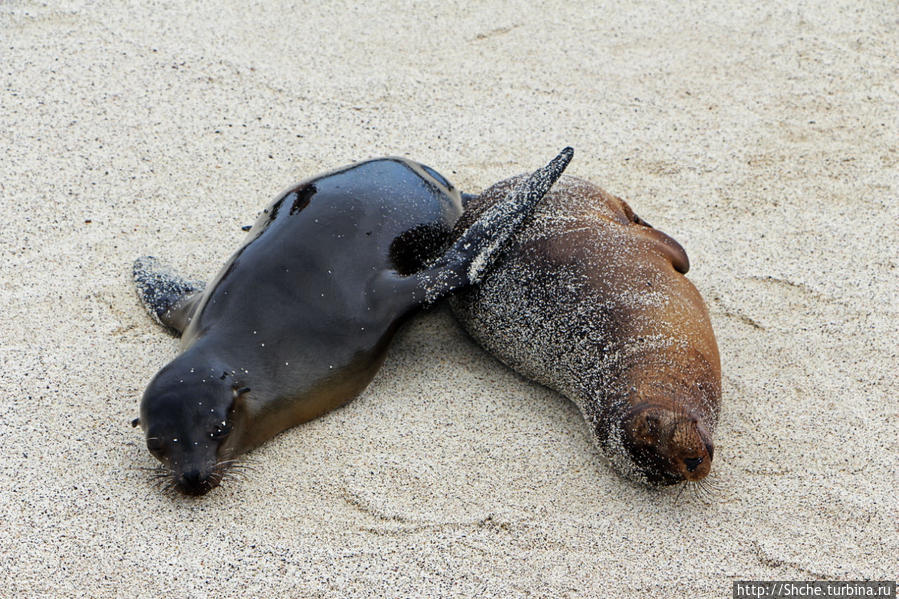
763, 139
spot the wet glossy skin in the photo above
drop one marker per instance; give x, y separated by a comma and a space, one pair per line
309, 271
297, 322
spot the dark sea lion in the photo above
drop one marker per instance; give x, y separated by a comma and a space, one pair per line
298, 320
590, 300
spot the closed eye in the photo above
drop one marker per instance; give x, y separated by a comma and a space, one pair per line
220, 432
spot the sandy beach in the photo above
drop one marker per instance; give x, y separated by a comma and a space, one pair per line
764, 138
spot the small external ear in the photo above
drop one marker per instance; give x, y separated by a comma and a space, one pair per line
135, 422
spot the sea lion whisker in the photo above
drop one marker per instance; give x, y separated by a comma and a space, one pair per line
711, 487
682, 487
234, 475
236, 472
244, 467
238, 467
695, 492
157, 474
700, 493
233, 468
149, 468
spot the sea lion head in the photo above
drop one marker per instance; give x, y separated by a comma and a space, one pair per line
666, 446
189, 420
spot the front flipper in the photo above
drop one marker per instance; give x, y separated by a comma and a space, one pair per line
466, 261
168, 298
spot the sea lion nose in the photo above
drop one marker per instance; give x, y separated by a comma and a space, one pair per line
692, 463
192, 482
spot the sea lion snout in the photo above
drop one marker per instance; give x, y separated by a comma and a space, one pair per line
188, 426
196, 481
692, 463
691, 449
191, 467
671, 446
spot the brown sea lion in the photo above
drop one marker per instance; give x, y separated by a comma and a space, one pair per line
590, 300
299, 319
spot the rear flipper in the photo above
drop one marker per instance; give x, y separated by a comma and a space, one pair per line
466, 261
168, 298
